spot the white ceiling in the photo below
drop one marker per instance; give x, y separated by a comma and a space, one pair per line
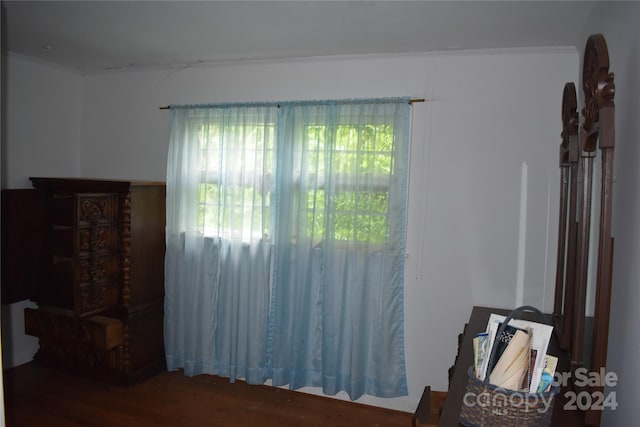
92, 36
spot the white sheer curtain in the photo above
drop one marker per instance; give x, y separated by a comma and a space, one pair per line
285, 243
217, 264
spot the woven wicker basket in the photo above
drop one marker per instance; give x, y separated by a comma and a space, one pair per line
485, 405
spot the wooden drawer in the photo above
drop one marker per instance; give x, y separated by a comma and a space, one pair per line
95, 297
66, 271
82, 242
97, 269
99, 332
84, 285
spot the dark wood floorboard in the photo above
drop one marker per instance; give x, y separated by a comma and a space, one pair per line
39, 396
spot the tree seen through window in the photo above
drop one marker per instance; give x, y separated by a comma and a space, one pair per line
350, 166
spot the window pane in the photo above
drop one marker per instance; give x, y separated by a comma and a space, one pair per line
376, 202
361, 165
237, 163
347, 138
316, 215
361, 216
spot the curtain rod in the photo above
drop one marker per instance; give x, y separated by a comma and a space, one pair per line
411, 101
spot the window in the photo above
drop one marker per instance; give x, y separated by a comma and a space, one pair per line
236, 164
238, 206
361, 163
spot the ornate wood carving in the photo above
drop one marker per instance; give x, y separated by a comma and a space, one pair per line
94, 209
125, 237
597, 84
103, 309
76, 356
597, 135
96, 288
125, 248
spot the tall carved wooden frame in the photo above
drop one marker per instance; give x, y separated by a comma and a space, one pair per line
576, 162
567, 231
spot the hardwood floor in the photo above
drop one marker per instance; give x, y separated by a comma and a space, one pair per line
39, 396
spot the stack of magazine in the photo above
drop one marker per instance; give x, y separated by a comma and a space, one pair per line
521, 362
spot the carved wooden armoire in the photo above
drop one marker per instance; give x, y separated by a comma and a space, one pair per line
101, 288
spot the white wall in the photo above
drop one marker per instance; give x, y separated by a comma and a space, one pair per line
42, 134
42, 122
618, 22
487, 135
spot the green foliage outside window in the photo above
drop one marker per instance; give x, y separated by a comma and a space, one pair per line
361, 157
349, 168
